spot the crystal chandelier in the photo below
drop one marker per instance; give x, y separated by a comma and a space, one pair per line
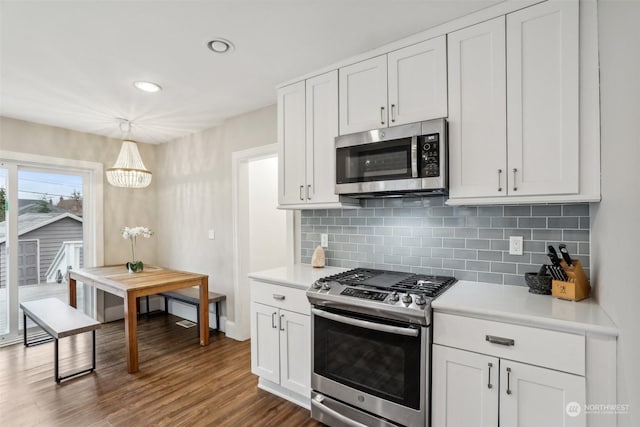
128, 171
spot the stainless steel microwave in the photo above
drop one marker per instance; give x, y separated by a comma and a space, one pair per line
395, 161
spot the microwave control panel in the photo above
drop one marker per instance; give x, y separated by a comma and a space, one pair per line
430, 157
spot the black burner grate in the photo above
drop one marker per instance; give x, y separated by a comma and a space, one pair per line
426, 285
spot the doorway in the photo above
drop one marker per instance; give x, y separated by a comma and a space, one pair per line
261, 232
48, 225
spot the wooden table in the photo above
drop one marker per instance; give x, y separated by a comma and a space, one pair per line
153, 280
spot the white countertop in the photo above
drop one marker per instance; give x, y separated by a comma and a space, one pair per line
514, 304
299, 276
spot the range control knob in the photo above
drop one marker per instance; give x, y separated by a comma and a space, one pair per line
317, 284
419, 300
394, 297
406, 298
326, 285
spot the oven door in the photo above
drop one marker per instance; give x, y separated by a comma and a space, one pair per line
373, 364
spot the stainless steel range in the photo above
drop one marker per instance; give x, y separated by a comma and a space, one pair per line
371, 346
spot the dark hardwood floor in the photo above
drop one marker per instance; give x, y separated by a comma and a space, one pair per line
179, 383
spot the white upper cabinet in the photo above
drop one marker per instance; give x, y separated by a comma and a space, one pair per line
291, 140
307, 127
523, 142
404, 86
417, 77
520, 88
363, 95
543, 100
322, 128
477, 110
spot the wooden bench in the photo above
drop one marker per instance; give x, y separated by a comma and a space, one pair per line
192, 296
59, 320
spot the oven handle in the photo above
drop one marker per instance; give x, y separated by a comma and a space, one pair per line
317, 402
410, 332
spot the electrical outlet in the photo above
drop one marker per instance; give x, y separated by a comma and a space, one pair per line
324, 240
212, 234
515, 245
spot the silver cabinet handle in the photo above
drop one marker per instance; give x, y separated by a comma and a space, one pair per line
278, 297
308, 192
508, 380
499, 340
273, 320
499, 179
393, 113
280, 322
409, 332
381, 115
301, 187
515, 187
489, 385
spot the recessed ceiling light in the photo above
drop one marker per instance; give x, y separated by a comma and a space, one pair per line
147, 86
220, 45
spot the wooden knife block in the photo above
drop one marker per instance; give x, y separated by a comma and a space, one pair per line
576, 288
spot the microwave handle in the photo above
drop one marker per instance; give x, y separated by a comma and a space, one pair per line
414, 156
410, 332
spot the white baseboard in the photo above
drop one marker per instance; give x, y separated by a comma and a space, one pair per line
233, 331
113, 313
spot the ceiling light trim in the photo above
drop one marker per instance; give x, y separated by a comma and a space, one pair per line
146, 86
220, 45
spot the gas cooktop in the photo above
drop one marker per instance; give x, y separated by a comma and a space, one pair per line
390, 294
426, 285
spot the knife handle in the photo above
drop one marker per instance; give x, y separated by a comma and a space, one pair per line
565, 254
555, 261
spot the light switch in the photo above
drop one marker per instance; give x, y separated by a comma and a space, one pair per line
212, 234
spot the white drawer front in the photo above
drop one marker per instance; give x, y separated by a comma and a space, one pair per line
551, 349
280, 296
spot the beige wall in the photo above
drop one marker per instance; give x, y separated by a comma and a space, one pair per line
194, 195
615, 233
122, 207
267, 224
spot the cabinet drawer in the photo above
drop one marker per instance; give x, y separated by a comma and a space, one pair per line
280, 296
550, 349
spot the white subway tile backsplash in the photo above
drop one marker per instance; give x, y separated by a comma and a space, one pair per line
581, 209
519, 210
490, 255
546, 210
422, 235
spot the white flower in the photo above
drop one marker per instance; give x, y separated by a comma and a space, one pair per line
133, 232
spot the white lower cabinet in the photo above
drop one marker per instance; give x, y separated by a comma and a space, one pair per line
485, 388
465, 388
281, 342
532, 396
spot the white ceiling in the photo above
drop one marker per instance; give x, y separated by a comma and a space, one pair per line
72, 63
